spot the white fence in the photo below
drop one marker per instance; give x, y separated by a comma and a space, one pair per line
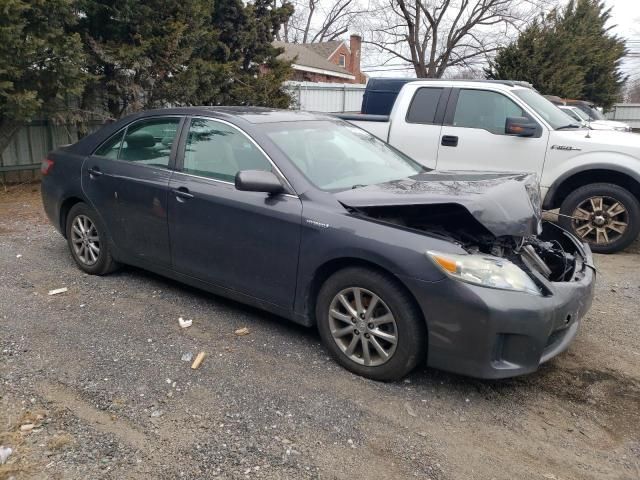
326, 97
627, 113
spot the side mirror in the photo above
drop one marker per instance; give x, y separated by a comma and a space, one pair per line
258, 181
520, 126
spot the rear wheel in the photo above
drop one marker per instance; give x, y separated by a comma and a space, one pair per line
87, 241
370, 324
604, 215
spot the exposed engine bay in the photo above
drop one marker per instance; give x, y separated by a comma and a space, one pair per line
552, 253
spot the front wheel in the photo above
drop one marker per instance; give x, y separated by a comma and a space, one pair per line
604, 215
370, 324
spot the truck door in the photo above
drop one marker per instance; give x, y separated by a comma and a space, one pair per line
418, 133
473, 135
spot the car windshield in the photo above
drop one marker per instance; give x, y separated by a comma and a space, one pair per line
335, 155
581, 114
572, 113
543, 107
594, 113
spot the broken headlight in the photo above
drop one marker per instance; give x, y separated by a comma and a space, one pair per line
485, 270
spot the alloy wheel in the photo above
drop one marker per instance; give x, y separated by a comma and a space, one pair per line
85, 240
600, 220
363, 326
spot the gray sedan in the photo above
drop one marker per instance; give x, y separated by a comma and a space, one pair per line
320, 222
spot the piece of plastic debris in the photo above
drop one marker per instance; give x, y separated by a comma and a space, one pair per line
157, 413
184, 323
5, 452
57, 291
410, 410
199, 358
19, 255
242, 331
27, 427
187, 357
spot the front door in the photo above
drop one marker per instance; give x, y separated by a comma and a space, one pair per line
473, 136
244, 241
126, 180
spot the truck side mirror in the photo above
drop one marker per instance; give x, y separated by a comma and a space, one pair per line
520, 126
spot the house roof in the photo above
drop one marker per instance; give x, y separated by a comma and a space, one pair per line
324, 49
305, 55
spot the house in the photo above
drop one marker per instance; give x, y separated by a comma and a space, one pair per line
330, 62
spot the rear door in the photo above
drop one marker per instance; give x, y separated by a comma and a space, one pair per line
417, 133
243, 241
127, 180
473, 135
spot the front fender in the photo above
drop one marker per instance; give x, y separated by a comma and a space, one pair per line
557, 172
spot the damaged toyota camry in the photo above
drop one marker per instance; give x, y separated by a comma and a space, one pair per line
320, 222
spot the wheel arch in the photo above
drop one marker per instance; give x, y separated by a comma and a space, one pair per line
325, 270
586, 175
65, 208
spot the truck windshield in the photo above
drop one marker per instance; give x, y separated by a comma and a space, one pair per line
334, 155
543, 107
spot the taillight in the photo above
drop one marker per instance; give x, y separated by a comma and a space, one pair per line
46, 166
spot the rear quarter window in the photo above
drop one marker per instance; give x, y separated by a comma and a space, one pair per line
424, 105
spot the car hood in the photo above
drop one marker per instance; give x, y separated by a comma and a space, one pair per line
504, 203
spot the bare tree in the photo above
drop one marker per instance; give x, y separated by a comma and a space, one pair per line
433, 35
319, 20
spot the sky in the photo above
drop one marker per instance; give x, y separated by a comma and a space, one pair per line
625, 15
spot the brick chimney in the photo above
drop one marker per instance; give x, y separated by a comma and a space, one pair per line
355, 45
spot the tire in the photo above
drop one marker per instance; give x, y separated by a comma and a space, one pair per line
595, 203
90, 260
407, 325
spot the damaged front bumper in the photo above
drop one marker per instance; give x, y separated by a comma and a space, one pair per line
489, 333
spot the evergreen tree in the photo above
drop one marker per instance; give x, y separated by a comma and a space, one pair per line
40, 63
161, 52
569, 53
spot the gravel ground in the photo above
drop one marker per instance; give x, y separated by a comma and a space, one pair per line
98, 373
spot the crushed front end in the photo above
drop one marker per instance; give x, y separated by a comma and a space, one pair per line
497, 333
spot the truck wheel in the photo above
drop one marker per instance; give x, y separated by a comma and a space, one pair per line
604, 215
370, 324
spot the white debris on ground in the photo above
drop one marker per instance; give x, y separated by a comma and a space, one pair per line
58, 291
184, 323
5, 453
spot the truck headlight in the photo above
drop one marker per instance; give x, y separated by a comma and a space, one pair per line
485, 270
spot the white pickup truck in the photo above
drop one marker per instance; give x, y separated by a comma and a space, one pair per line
592, 176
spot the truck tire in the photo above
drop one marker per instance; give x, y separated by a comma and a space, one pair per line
604, 215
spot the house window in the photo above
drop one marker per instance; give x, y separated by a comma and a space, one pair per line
342, 60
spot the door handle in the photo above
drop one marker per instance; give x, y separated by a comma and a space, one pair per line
182, 193
95, 172
449, 141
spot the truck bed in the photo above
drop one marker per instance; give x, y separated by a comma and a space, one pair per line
377, 125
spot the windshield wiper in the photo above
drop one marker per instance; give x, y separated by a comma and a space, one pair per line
571, 125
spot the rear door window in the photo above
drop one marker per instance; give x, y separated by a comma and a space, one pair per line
149, 141
424, 105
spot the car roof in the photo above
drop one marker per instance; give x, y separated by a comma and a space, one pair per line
249, 114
